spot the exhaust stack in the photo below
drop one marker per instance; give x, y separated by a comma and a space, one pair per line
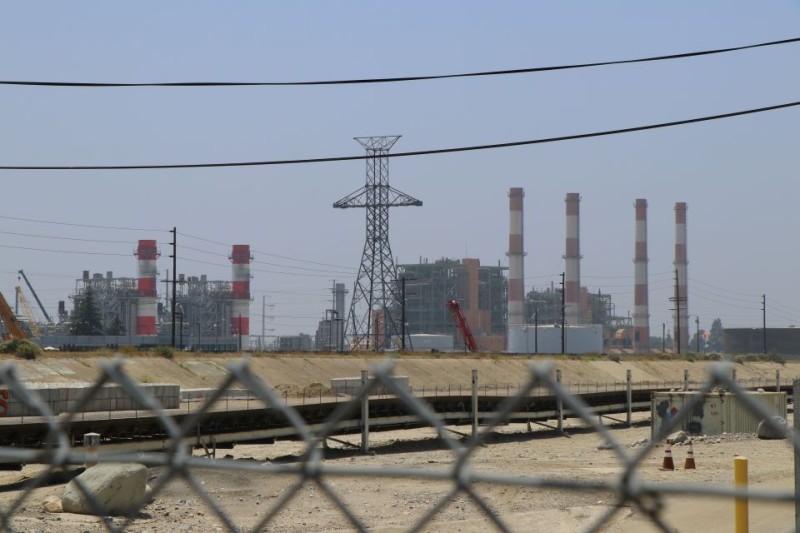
516, 259
641, 312
572, 259
240, 312
146, 253
681, 266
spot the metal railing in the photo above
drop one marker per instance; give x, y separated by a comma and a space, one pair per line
628, 487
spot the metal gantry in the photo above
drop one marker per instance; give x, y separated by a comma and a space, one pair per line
373, 321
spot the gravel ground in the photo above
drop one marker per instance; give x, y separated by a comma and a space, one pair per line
390, 504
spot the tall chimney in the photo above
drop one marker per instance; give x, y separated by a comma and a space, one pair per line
641, 312
572, 270
516, 259
240, 313
681, 264
146, 253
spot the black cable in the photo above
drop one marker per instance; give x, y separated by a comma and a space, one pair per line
78, 225
65, 238
77, 252
360, 81
512, 144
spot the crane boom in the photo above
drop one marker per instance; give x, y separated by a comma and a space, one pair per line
461, 323
35, 296
28, 312
13, 326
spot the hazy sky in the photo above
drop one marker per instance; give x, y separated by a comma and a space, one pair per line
738, 176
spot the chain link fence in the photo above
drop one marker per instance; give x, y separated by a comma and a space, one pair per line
176, 462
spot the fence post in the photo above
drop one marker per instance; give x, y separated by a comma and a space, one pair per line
796, 395
91, 441
559, 405
733, 375
741, 519
686, 380
364, 415
628, 396
777, 381
474, 403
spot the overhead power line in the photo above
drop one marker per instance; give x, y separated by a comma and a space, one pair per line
398, 79
437, 151
57, 223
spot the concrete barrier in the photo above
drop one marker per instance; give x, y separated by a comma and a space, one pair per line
351, 385
63, 398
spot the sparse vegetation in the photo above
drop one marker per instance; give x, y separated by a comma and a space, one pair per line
164, 351
689, 357
128, 350
614, 357
21, 348
739, 359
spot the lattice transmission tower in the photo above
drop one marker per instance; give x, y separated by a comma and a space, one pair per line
374, 318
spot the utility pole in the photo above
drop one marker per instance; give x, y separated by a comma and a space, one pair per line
403, 313
764, 319
663, 337
174, 257
563, 317
697, 321
263, 321
535, 330
677, 299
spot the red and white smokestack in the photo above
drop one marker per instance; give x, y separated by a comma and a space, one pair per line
240, 313
681, 266
641, 312
146, 253
516, 259
572, 260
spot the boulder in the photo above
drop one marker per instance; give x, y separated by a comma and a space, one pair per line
117, 488
677, 437
52, 504
765, 431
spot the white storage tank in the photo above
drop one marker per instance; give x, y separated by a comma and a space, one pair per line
527, 338
719, 412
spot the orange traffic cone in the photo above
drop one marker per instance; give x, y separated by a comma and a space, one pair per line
689, 464
668, 464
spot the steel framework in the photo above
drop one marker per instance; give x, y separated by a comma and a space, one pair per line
373, 322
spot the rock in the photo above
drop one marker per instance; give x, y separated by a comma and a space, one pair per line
52, 504
677, 437
117, 488
766, 431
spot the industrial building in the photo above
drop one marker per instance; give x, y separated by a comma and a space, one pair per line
480, 290
781, 341
210, 314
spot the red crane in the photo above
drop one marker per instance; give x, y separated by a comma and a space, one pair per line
461, 323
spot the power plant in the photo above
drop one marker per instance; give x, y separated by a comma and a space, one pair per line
213, 315
444, 304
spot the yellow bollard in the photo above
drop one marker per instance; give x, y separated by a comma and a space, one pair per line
740, 504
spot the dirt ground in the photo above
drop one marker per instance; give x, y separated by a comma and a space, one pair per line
391, 505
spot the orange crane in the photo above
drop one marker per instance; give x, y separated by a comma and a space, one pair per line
461, 323
13, 326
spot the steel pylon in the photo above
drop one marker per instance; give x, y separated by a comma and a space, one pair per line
374, 318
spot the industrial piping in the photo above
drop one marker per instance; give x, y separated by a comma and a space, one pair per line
572, 258
516, 259
146, 253
641, 311
681, 266
240, 311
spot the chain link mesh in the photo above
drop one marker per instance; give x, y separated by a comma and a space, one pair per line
177, 463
